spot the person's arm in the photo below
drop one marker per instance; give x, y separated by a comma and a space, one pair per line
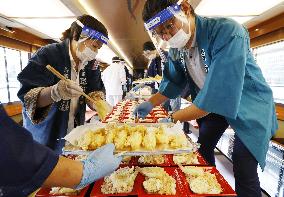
189, 113
67, 173
157, 99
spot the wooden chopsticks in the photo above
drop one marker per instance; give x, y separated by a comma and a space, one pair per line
60, 76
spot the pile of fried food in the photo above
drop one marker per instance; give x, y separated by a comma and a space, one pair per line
151, 159
201, 181
120, 181
186, 158
157, 181
64, 191
127, 138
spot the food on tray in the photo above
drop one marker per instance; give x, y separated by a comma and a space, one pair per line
151, 159
201, 181
103, 108
205, 184
192, 171
120, 139
92, 140
120, 181
64, 191
158, 181
149, 140
134, 140
127, 138
126, 159
186, 158
177, 141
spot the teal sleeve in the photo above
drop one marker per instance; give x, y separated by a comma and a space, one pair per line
223, 86
174, 80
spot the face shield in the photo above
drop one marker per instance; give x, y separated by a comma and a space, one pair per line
169, 28
90, 41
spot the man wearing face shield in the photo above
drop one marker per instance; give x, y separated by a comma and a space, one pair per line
212, 57
53, 107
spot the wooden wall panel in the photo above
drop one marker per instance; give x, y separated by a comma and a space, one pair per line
280, 112
268, 31
13, 109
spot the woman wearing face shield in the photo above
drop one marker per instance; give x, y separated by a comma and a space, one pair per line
212, 57
53, 107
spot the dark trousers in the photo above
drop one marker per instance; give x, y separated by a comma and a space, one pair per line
211, 128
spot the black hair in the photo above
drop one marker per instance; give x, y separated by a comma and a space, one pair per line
148, 46
115, 59
75, 30
153, 7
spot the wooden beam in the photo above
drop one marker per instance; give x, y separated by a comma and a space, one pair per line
267, 38
267, 26
25, 37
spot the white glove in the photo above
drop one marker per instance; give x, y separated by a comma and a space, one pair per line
65, 90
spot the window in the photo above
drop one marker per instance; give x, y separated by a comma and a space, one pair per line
12, 63
270, 58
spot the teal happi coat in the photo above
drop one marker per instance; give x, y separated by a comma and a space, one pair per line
234, 86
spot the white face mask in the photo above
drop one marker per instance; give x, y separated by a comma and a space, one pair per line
86, 55
180, 39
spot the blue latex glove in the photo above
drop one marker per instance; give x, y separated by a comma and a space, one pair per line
98, 164
165, 120
130, 96
137, 87
143, 109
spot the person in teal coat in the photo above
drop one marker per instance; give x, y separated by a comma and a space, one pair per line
212, 57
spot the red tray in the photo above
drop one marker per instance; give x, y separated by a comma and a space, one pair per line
227, 189
44, 192
138, 189
202, 161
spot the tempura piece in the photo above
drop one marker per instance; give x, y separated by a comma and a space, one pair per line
178, 141
110, 135
134, 140
151, 159
186, 158
64, 191
149, 141
120, 139
162, 136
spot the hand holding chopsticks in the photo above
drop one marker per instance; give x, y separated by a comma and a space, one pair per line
70, 84
101, 106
